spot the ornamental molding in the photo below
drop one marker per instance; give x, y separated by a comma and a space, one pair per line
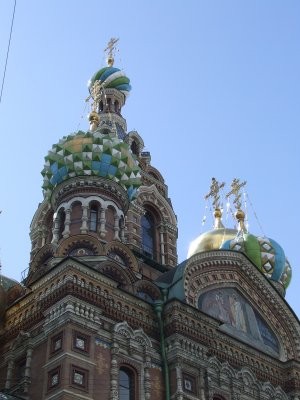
209, 270
114, 271
46, 250
39, 215
205, 330
72, 266
85, 202
151, 195
245, 379
122, 328
124, 250
86, 184
134, 135
149, 288
74, 241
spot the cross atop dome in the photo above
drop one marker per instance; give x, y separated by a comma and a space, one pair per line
110, 49
236, 186
215, 188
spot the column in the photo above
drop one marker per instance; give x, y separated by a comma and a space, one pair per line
179, 382
147, 380
55, 230
84, 222
116, 227
201, 385
114, 373
122, 231
162, 245
9, 374
102, 222
27, 369
66, 232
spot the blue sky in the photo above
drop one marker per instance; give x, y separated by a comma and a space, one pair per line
216, 92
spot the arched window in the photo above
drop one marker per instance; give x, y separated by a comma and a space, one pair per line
93, 218
145, 296
148, 235
126, 385
76, 218
218, 397
62, 219
135, 148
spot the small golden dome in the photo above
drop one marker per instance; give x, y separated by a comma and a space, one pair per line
211, 240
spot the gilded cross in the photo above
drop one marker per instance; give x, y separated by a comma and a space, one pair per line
236, 186
215, 188
111, 47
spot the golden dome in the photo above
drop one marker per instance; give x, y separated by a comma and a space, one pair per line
211, 240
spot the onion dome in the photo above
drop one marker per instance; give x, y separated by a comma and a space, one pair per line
111, 78
265, 253
92, 154
213, 239
6, 286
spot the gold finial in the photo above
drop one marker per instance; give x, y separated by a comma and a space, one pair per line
94, 119
215, 188
236, 186
110, 49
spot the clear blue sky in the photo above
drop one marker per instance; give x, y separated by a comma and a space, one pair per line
216, 92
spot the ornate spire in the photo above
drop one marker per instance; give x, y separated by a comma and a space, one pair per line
236, 186
110, 49
215, 188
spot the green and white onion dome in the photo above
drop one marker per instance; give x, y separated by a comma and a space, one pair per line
266, 254
91, 154
111, 78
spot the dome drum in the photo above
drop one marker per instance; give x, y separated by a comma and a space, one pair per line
110, 101
89, 186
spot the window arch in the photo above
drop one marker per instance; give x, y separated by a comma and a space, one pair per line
145, 296
148, 234
134, 148
126, 384
218, 397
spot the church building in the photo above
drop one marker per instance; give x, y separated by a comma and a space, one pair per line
105, 311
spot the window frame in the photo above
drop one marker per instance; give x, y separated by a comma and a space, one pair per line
54, 339
85, 338
132, 377
51, 373
85, 374
149, 232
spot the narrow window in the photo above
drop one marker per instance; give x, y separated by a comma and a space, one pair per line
134, 148
148, 232
76, 218
61, 222
93, 218
126, 385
